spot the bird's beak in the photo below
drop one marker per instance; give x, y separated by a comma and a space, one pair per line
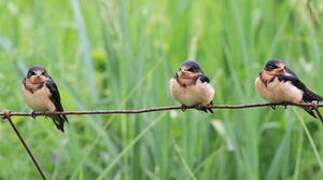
179, 72
182, 71
37, 79
282, 71
285, 70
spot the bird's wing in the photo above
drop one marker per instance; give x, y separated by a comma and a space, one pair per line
203, 78
56, 99
308, 95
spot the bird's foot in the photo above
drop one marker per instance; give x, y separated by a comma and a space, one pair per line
46, 114
7, 115
184, 107
314, 105
210, 107
204, 108
33, 114
285, 104
273, 107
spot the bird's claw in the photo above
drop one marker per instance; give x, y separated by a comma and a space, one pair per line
7, 115
284, 104
314, 105
184, 107
204, 108
33, 114
46, 114
273, 107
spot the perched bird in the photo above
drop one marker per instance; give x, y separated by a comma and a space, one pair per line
278, 84
191, 87
41, 94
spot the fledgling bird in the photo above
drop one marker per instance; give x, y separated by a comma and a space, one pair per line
191, 87
41, 94
278, 84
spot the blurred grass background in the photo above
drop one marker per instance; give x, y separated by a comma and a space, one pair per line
120, 54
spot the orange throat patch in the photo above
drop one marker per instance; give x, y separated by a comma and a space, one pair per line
266, 78
31, 86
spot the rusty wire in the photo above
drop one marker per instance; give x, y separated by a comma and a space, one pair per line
8, 115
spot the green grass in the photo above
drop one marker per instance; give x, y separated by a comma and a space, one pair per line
109, 54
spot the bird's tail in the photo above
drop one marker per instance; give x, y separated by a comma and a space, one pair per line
311, 96
310, 112
59, 121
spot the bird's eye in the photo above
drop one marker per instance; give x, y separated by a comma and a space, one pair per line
43, 73
32, 73
271, 67
190, 69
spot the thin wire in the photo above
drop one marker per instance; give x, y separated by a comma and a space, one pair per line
165, 108
8, 115
41, 172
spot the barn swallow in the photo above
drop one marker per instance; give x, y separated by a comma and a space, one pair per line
191, 87
278, 84
41, 94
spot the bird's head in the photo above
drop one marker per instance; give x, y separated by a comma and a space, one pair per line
189, 70
37, 75
275, 68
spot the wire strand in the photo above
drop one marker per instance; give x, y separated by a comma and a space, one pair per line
156, 109
23, 142
8, 115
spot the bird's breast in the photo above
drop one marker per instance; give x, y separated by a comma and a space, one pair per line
277, 91
39, 100
199, 93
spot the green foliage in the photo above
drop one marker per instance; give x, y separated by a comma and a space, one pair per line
109, 54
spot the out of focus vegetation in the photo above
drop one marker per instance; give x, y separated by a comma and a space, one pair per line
109, 54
